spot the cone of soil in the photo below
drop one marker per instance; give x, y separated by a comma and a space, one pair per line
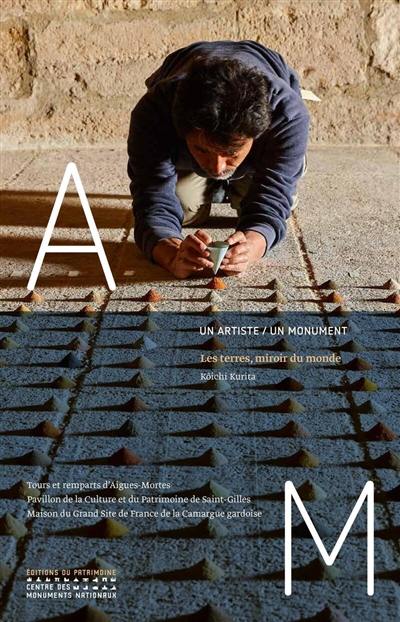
34, 458
17, 327
11, 526
214, 489
388, 460
152, 296
210, 528
8, 343
140, 380
381, 432
212, 430
303, 458
277, 297
204, 570
53, 404
351, 346
275, 284
358, 364
147, 309
73, 360
391, 284
88, 310
149, 325
135, 404
329, 284
77, 344
5, 572
308, 491
211, 310
215, 404
46, 429
289, 384
22, 310
339, 311
86, 326
293, 430
21, 490
212, 457
316, 570
144, 342
216, 283
34, 297
142, 362
394, 298
363, 384
124, 457
95, 296
334, 297
370, 407
63, 382
212, 297
127, 429
351, 326
274, 312
213, 344
289, 406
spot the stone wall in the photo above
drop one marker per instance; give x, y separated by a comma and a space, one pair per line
71, 70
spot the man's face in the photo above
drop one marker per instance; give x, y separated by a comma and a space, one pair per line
216, 162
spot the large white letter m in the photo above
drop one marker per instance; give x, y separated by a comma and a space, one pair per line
367, 493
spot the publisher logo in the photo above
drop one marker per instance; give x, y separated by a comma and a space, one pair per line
66, 584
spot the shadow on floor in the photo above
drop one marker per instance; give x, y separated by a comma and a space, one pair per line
21, 210
29, 208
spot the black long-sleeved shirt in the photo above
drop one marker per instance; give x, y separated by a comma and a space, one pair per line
156, 152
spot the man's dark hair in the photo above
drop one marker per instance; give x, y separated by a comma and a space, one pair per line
223, 97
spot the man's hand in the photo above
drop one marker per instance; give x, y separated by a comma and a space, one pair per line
246, 247
184, 257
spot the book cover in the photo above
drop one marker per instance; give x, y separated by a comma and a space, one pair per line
197, 433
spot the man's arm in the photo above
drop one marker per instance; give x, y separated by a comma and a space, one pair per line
267, 205
157, 211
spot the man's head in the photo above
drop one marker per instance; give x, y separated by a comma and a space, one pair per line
220, 107
217, 161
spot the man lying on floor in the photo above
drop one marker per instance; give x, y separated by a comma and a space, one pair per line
221, 121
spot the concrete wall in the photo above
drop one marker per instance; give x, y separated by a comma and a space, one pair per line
71, 70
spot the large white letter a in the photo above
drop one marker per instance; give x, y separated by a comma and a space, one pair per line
71, 171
